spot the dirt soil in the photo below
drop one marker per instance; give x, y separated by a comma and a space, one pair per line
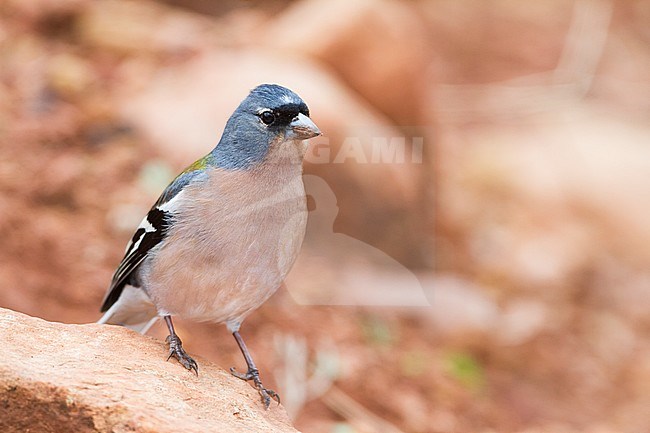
76, 177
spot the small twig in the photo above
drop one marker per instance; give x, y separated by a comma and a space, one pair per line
571, 78
357, 415
298, 386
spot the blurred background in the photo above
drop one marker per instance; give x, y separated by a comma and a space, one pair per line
498, 257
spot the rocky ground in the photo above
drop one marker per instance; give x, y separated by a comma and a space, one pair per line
93, 378
523, 218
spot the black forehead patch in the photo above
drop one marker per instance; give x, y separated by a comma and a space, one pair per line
285, 113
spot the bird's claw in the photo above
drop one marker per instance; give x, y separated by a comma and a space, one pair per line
266, 395
176, 350
243, 376
254, 375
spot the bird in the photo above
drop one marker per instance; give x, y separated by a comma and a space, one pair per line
225, 232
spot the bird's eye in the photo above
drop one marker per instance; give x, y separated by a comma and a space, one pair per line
267, 117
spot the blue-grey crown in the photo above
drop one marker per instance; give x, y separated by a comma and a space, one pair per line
269, 96
245, 141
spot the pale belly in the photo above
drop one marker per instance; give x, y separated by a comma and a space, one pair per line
235, 263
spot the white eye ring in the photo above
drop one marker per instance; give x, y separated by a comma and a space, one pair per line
267, 117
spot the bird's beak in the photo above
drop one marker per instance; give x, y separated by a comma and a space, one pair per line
302, 128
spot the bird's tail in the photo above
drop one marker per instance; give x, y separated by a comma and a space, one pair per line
133, 310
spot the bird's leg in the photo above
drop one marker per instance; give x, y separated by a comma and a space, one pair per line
176, 348
253, 374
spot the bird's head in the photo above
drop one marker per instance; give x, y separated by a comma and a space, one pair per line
272, 118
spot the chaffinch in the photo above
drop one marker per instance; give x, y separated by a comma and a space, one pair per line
223, 235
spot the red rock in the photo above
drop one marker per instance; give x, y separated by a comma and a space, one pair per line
380, 52
98, 378
130, 27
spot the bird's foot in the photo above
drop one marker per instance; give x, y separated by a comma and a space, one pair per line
254, 375
176, 350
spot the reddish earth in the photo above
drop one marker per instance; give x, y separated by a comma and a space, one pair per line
525, 222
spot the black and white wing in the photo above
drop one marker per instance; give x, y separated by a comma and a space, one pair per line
152, 231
